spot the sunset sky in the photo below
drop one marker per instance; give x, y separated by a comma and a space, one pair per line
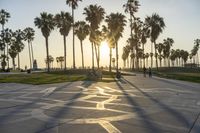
181, 17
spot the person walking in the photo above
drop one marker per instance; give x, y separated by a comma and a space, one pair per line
144, 71
150, 72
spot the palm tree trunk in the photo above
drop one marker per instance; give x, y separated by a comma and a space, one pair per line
47, 50
147, 61
29, 55
92, 55
32, 52
96, 53
65, 67
117, 58
110, 60
4, 52
137, 58
143, 56
156, 56
74, 65
7, 56
160, 62
168, 61
18, 62
151, 55
13, 60
82, 53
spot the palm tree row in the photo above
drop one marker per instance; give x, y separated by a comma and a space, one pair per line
12, 42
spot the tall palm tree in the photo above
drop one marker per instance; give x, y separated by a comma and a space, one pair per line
81, 31
156, 25
13, 53
7, 41
3, 19
172, 56
64, 22
145, 34
73, 4
111, 44
19, 37
185, 56
46, 24
29, 36
116, 23
94, 15
160, 48
98, 38
197, 45
167, 46
131, 7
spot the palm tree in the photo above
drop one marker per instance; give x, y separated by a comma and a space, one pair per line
60, 59
7, 41
131, 7
64, 22
49, 60
167, 46
81, 31
111, 44
131, 46
172, 56
185, 56
132, 55
144, 36
178, 56
29, 36
19, 37
160, 48
99, 37
13, 53
94, 15
197, 44
46, 24
116, 23
156, 25
3, 19
73, 4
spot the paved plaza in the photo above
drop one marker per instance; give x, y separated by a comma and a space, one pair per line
133, 104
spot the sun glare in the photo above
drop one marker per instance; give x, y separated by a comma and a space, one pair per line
104, 49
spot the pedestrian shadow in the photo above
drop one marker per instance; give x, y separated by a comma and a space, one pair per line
177, 115
150, 127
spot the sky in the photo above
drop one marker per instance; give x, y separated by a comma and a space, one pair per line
181, 17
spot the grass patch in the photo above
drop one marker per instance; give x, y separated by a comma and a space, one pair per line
185, 74
40, 78
52, 77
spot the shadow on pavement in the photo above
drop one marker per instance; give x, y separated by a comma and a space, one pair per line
177, 115
141, 113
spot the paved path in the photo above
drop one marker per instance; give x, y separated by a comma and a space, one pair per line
133, 104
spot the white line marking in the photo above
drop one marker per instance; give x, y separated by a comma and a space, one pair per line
48, 91
109, 127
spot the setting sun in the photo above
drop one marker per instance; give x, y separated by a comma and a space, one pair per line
104, 49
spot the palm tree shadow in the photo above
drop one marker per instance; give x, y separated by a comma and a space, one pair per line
52, 123
179, 117
140, 112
